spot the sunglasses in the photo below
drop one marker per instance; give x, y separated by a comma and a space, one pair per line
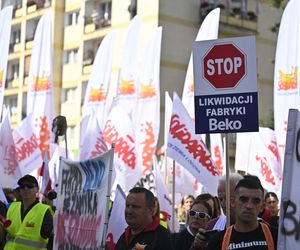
29, 186
201, 215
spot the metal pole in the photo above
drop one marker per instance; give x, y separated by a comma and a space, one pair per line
227, 183
173, 197
66, 144
108, 196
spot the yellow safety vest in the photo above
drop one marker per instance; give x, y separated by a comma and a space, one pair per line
25, 235
266, 231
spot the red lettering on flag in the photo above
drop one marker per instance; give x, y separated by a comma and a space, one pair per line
197, 150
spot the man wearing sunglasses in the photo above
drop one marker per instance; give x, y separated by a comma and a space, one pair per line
32, 222
247, 232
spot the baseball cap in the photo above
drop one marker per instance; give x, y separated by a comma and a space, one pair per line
27, 179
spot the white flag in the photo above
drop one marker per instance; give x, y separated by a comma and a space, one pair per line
117, 222
163, 196
40, 85
148, 106
127, 87
98, 86
287, 63
81, 202
9, 167
188, 149
92, 142
119, 130
27, 146
5, 28
257, 154
209, 30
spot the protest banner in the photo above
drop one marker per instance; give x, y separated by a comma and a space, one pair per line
116, 223
286, 75
146, 117
40, 84
5, 28
95, 100
27, 147
289, 219
9, 165
188, 149
82, 203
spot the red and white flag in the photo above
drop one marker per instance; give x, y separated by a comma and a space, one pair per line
127, 87
208, 31
27, 146
98, 86
9, 166
217, 152
119, 130
286, 72
5, 28
45, 185
147, 117
188, 149
257, 153
40, 85
116, 223
92, 141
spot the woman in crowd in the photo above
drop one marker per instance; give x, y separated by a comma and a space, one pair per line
214, 203
198, 216
185, 206
271, 201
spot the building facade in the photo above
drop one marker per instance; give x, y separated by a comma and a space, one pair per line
80, 25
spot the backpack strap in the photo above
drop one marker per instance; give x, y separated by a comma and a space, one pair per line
226, 238
268, 236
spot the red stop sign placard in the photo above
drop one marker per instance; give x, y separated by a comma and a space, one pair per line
224, 66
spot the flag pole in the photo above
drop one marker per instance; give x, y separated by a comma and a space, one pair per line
166, 131
227, 183
108, 197
173, 197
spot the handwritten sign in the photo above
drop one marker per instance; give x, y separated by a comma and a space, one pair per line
82, 189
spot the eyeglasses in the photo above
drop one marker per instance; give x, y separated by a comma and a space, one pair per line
201, 215
27, 186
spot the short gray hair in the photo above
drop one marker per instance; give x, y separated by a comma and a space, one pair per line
234, 178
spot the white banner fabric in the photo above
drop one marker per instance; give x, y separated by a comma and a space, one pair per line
188, 149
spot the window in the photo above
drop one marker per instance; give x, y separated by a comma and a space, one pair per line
27, 65
72, 56
72, 18
69, 95
15, 70
16, 34
12, 103
105, 11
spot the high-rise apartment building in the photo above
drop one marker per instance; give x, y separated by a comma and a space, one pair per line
80, 25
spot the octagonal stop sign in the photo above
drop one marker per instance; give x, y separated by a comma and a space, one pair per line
224, 66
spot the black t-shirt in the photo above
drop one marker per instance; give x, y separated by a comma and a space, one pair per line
250, 240
154, 237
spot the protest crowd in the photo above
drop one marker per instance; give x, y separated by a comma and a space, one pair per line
118, 191
254, 215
